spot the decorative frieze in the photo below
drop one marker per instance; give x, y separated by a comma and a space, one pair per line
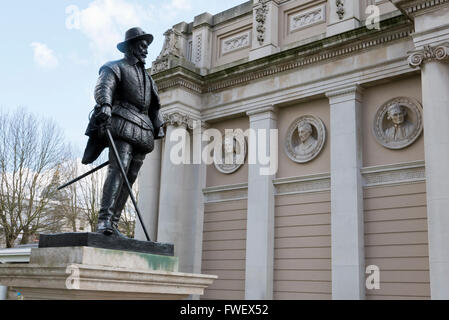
307, 18
236, 42
402, 173
428, 53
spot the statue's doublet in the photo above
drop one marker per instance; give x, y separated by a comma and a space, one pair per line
129, 89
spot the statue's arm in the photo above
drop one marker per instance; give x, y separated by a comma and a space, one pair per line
104, 92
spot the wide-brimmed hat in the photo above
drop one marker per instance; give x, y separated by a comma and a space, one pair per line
134, 34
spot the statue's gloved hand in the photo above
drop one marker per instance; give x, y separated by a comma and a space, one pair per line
105, 113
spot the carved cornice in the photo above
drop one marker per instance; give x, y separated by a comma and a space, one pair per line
429, 53
412, 8
180, 81
284, 61
304, 58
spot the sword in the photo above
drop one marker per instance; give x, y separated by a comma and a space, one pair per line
125, 178
101, 166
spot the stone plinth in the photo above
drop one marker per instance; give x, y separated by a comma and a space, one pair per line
87, 273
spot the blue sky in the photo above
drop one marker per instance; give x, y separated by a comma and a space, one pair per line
52, 50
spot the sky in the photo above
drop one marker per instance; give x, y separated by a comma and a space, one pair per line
52, 50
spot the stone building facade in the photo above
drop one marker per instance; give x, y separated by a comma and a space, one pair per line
358, 92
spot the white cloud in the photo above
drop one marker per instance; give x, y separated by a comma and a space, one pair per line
43, 56
104, 22
181, 4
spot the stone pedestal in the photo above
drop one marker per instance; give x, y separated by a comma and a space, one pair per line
87, 273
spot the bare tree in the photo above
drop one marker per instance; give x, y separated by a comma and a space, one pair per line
69, 200
90, 192
84, 198
31, 153
127, 222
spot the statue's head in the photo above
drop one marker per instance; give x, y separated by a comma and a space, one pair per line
138, 49
304, 130
136, 44
229, 144
396, 113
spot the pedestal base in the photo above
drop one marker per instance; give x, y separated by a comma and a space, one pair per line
87, 273
99, 240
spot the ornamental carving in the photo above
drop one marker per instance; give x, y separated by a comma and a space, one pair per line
305, 139
171, 47
235, 43
428, 53
261, 17
307, 18
232, 155
340, 9
198, 48
178, 119
398, 123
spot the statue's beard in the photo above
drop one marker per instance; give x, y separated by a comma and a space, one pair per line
141, 56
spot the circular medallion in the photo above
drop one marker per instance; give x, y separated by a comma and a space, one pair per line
233, 154
305, 139
398, 123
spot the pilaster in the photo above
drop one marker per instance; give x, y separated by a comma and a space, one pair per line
202, 42
265, 29
260, 217
433, 61
344, 15
347, 224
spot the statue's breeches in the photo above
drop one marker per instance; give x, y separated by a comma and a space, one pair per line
139, 137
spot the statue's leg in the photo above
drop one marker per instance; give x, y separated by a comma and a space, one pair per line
112, 185
133, 171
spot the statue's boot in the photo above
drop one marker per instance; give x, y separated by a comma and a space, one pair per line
123, 196
111, 188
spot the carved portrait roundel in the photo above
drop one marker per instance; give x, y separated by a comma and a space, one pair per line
305, 139
233, 154
398, 123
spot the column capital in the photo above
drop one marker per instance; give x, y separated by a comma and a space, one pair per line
261, 110
428, 53
353, 92
179, 119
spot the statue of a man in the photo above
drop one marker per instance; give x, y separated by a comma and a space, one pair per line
401, 128
127, 104
308, 142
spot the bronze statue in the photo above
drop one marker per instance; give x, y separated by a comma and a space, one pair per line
126, 119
